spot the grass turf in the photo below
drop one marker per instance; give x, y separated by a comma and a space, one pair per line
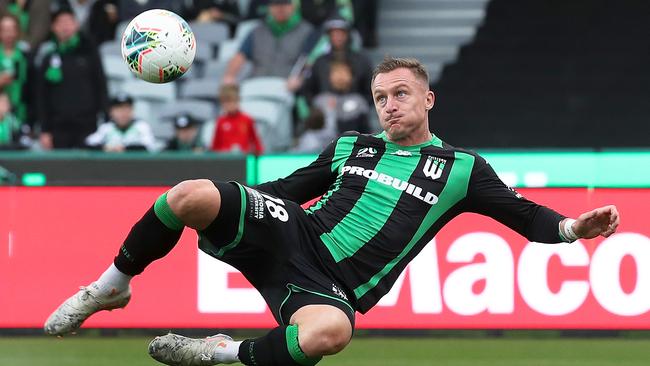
73, 351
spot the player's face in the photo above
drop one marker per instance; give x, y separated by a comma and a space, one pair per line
402, 102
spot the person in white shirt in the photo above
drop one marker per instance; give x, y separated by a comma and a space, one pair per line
122, 132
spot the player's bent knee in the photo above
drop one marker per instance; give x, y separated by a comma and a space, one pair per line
328, 337
195, 202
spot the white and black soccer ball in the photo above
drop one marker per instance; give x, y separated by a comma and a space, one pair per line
158, 46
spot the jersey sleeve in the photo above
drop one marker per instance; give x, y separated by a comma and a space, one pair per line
305, 183
488, 195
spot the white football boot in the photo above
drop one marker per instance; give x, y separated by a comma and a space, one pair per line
176, 350
68, 317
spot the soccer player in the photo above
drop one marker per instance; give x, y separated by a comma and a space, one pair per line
383, 198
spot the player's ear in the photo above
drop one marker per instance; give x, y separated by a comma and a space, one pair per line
430, 101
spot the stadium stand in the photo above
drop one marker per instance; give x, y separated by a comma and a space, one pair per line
550, 74
431, 31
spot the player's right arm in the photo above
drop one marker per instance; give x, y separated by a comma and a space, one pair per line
488, 195
305, 183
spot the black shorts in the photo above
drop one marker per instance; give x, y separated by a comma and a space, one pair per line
271, 242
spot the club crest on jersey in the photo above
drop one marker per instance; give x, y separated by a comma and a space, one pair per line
434, 167
367, 152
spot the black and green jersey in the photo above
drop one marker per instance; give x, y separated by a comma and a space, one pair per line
382, 203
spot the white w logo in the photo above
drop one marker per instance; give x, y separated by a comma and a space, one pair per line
433, 167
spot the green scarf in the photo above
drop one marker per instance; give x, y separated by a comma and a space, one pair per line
280, 29
54, 74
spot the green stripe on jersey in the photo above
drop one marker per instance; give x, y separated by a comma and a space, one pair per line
454, 191
344, 147
371, 210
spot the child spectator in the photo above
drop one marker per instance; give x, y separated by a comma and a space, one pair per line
235, 130
319, 132
186, 135
348, 109
122, 132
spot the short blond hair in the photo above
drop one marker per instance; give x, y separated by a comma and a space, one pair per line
229, 92
393, 63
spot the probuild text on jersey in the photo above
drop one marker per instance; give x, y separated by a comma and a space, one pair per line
396, 183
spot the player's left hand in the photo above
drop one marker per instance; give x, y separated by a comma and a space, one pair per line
601, 221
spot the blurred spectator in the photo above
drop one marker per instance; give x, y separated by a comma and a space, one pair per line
234, 130
128, 9
318, 77
10, 126
319, 132
34, 19
275, 46
71, 85
14, 65
186, 134
366, 24
122, 132
103, 19
346, 107
317, 12
226, 11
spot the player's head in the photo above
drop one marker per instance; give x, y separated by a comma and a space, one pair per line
281, 10
122, 110
400, 89
229, 98
64, 23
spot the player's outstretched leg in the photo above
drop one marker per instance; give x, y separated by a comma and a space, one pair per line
316, 331
192, 203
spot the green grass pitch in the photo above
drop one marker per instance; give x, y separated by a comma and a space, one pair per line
372, 351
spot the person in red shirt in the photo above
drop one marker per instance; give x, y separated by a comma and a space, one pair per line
235, 130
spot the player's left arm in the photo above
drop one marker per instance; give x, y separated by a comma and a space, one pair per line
489, 196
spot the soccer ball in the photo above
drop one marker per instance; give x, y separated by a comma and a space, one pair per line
158, 46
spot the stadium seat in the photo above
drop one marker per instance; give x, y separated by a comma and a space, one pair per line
149, 91
200, 109
110, 48
273, 128
267, 88
116, 72
204, 89
213, 70
210, 32
116, 68
207, 132
228, 49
